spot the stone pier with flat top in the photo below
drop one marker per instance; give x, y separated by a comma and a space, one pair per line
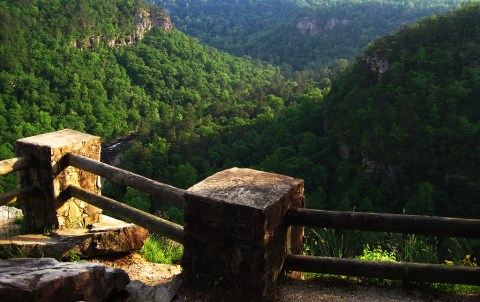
51, 209
234, 228
61, 226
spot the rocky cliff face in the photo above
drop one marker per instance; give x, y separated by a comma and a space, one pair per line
307, 25
146, 19
376, 168
333, 22
378, 62
372, 167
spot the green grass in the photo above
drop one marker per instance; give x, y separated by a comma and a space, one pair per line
160, 250
456, 288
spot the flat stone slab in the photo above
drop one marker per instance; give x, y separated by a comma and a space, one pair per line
58, 138
109, 237
52, 175
47, 279
247, 187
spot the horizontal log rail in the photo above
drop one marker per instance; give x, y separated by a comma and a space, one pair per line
379, 222
385, 270
163, 191
18, 195
153, 223
8, 166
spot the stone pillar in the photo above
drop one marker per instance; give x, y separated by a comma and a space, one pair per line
52, 209
233, 222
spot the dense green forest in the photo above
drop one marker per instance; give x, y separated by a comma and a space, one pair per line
168, 86
406, 116
297, 34
395, 132
357, 147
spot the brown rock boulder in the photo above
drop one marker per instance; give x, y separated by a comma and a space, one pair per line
109, 237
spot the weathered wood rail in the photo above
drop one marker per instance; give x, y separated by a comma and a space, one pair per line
153, 223
163, 191
385, 270
381, 222
17, 195
8, 166
141, 183
59, 167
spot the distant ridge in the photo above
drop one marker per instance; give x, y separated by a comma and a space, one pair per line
407, 115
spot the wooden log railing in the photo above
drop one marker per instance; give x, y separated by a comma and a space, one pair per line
17, 195
425, 225
163, 191
8, 166
380, 222
141, 183
152, 223
385, 270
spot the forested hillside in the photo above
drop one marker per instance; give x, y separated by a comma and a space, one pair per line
406, 118
396, 133
59, 69
298, 34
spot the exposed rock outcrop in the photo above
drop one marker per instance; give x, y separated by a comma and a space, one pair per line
308, 25
351, 153
146, 19
373, 167
140, 292
46, 279
378, 62
332, 22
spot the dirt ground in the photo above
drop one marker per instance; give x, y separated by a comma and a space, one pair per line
161, 282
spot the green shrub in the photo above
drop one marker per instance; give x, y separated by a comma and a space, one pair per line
377, 254
160, 250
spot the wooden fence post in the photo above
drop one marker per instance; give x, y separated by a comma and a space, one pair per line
234, 227
51, 176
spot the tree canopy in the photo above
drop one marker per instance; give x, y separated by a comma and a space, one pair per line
411, 127
168, 86
297, 34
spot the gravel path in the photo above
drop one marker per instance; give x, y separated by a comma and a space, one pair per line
160, 282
